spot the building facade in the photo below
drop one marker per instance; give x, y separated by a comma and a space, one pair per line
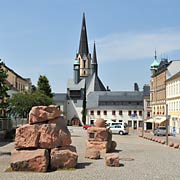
16, 82
160, 91
173, 102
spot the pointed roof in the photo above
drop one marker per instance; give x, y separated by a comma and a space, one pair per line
155, 63
94, 60
83, 45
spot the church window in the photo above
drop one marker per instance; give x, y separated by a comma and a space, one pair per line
98, 112
105, 112
84, 63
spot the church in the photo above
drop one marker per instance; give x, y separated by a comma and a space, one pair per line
118, 106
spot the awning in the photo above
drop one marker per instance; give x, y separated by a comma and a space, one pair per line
159, 120
150, 120
156, 120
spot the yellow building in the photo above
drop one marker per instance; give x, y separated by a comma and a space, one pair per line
173, 101
158, 91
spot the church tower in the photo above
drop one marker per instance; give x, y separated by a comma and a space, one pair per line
83, 55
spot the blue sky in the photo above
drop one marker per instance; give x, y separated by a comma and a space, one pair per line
41, 37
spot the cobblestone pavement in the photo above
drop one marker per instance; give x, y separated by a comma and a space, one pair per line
139, 159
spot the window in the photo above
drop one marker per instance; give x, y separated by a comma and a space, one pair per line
84, 63
120, 113
129, 113
92, 112
135, 112
129, 123
105, 112
140, 113
98, 112
113, 112
140, 123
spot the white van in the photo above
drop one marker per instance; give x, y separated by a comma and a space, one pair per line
118, 127
112, 123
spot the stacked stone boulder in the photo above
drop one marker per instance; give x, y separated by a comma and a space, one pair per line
43, 144
99, 140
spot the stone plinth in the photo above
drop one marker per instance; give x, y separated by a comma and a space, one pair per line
99, 134
103, 146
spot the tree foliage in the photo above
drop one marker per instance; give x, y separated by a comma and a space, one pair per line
43, 86
21, 103
84, 110
3, 90
3, 76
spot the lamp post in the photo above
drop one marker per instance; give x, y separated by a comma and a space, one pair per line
167, 117
143, 125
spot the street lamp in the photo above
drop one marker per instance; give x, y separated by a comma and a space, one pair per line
167, 117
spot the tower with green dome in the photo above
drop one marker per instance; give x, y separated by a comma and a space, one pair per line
154, 65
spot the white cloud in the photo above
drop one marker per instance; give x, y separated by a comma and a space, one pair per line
124, 46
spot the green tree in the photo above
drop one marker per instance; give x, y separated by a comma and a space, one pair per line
3, 77
43, 86
3, 90
21, 103
84, 110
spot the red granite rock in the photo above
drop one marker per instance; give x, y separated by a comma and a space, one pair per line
46, 136
99, 134
51, 136
92, 154
30, 160
176, 146
171, 144
113, 146
27, 136
43, 113
100, 123
63, 158
112, 159
103, 146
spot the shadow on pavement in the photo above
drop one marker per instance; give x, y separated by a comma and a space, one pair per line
3, 143
5, 153
83, 165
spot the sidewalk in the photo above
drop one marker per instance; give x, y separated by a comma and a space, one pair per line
171, 138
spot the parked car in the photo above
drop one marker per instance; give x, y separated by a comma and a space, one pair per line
119, 129
160, 131
86, 126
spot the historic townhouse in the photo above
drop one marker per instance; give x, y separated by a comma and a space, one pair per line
16, 82
160, 73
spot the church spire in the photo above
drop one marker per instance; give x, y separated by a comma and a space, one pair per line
94, 65
83, 45
94, 60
